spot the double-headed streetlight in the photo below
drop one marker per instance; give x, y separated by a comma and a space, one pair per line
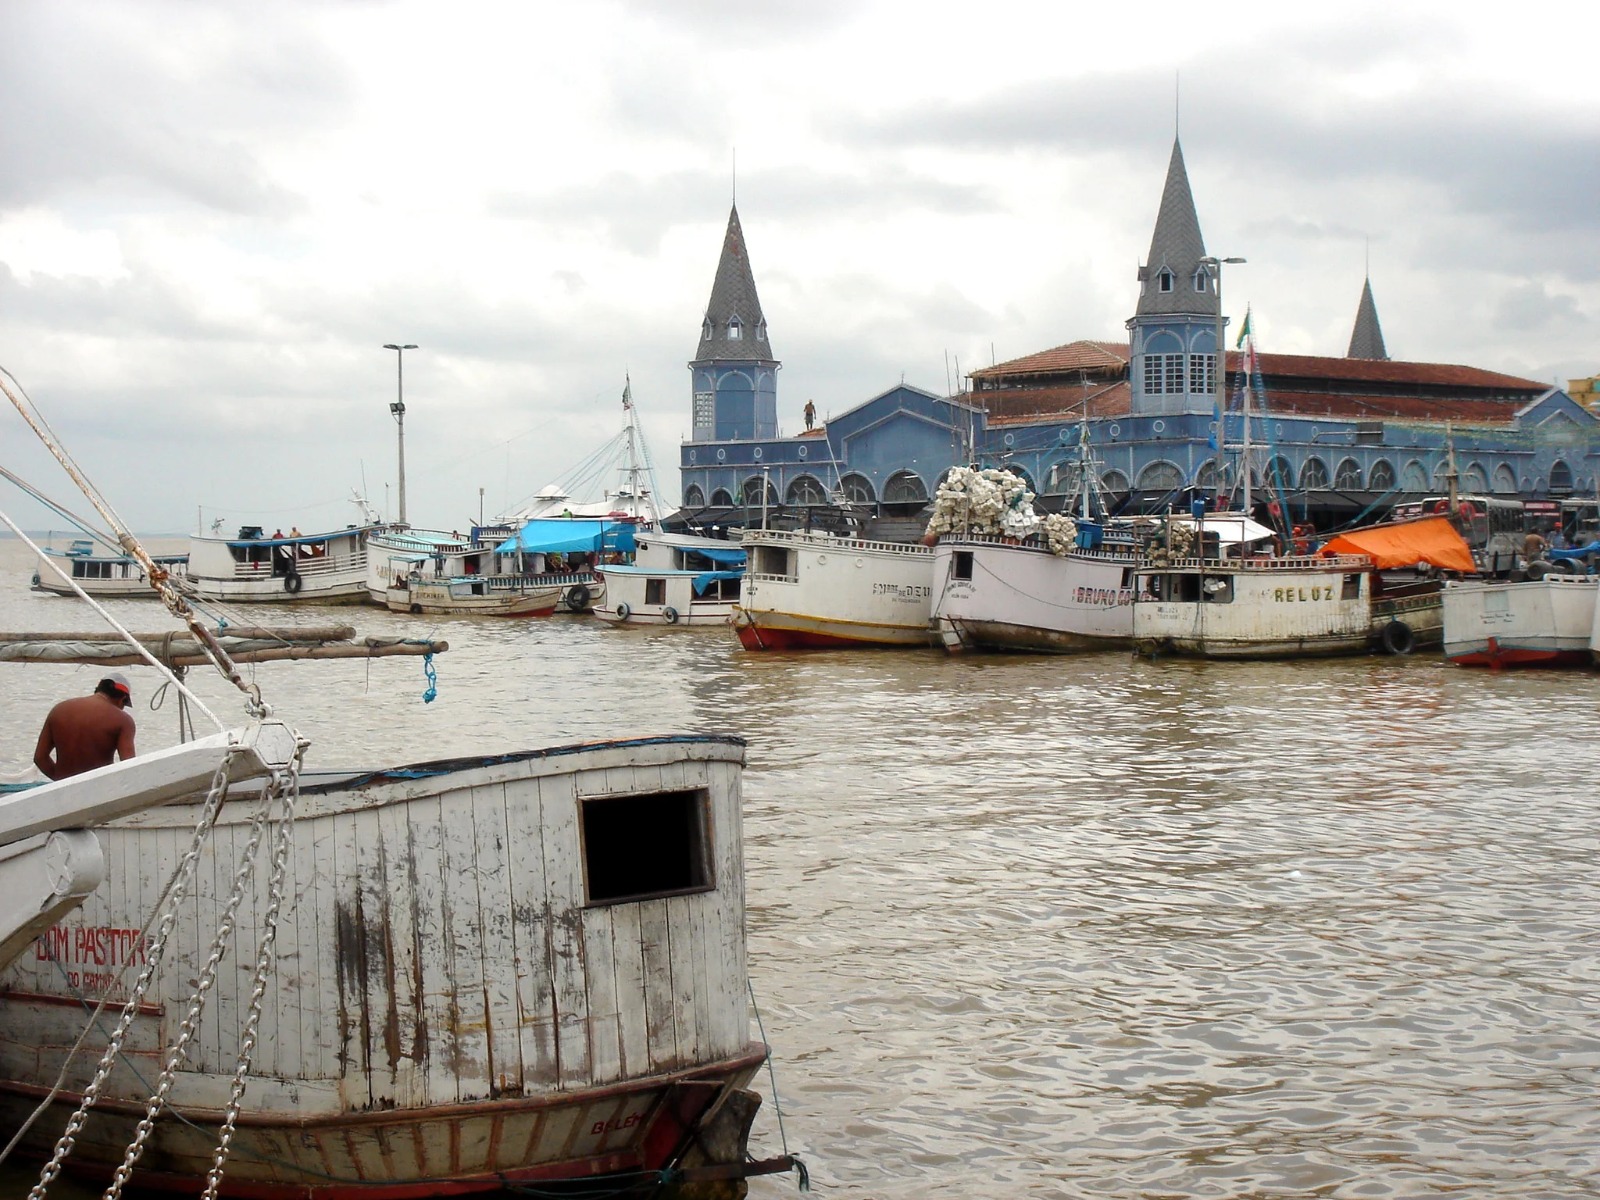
1213, 266
398, 408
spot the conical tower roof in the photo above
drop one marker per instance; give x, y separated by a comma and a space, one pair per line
733, 298
1366, 340
1178, 247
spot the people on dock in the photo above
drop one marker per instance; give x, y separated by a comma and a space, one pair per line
1532, 545
87, 731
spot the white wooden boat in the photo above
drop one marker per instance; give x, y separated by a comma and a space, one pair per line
1546, 622
454, 574
997, 593
1254, 607
251, 568
806, 590
524, 970
101, 574
675, 579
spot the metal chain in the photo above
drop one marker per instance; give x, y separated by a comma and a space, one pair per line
286, 785
179, 1049
155, 950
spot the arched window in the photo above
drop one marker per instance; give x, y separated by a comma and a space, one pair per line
721, 498
1475, 479
1164, 280
1115, 482
750, 494
1279, 473
904, 487
805, 489
693, 497
1505, 480
1348, 477
705, 329
1441, 473
1062, 477
1210, 476
735, 330
858, 489
1413, 478
1314, 475
1382, 477
1560, 478
1160, 477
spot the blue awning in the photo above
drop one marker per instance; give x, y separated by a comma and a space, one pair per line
731, 556
561, 536
705, 580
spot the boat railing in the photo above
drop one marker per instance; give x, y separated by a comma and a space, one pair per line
1120, 547
828, 542
1325, 563
322, 564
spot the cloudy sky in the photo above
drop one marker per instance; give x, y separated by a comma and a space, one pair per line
213, 215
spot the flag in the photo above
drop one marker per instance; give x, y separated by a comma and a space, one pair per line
627, 392
1244, 330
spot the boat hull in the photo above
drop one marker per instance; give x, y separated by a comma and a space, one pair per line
1269, 608
1547, 622
465, 598
997, 595
805, 591
473, 986
664, 597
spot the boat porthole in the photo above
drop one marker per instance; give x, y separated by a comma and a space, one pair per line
860, 562
822, 558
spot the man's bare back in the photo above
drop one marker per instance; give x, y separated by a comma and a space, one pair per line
84, 733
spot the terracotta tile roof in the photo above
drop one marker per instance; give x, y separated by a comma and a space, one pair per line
1074, 356
1030, 406
1344, 406
1365, 370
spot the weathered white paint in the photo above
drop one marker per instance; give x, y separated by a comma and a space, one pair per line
804, 588
1255, 608
1023, 597
1536, 619
442, 988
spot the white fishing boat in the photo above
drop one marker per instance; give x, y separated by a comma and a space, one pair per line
1237, 603
544, 567
1546, 622
101, 572
523, 970
254, 568
808, 590
1006, 580
677, 579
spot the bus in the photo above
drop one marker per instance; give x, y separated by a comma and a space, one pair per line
1493, 526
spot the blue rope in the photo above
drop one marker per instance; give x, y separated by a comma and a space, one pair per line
431, 692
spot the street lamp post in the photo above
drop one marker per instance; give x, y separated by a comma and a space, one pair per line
1213, 267
398, 408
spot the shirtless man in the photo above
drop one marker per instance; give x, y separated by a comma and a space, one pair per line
87, 731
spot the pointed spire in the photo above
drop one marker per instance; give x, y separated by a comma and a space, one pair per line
1176, 248
1366, 340
734, 329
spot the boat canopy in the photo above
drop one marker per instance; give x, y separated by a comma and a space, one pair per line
707, 578
558, 535
1231, 529
733, 556
1431, 540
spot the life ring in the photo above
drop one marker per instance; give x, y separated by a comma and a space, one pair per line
669, 615
1397, 638
577, 597
1466, 510
292, 583
623, 611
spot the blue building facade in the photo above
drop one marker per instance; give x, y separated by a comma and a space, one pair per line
1336, 439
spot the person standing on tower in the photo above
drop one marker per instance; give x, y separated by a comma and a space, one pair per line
811, 414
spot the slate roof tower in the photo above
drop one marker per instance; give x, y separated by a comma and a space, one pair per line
735, 377
1366, 339
1173, 333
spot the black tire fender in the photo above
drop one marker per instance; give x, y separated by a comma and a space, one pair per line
577, 597
1397, 638
669, 615
623, 611
292, 582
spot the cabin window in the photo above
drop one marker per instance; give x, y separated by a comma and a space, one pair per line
1352, 588
655, 591
639, 847
1217, 589
961, 564
772, 560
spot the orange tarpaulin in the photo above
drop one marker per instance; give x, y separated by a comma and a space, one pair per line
1431, 540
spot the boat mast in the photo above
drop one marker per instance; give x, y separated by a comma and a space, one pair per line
633, 452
